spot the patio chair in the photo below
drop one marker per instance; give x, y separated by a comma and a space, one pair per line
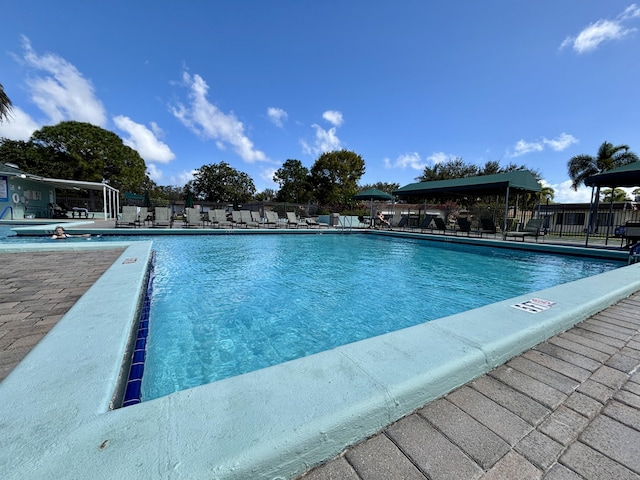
128, 218
426, 222
531, 229
255, 216
440, 225
236, 219
273, 219
163, 217
464, 225
487, 226
220, 218
247, 219
402, 223
192, 217
292, 221
313, 223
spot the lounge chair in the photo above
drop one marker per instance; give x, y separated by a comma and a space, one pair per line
220, 218
531, 229
257, 219
440, 225
402, 223
236, 219
246, 217
128, 218
292, 221
192, 217
273, 219
464, 225
163, 217
313, 223
487, 226
426, 222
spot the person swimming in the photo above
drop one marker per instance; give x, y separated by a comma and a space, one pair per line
60, 234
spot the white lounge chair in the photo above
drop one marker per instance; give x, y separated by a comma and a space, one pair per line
163, 217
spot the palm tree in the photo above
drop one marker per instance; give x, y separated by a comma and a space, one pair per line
5, 104
609, 156
619, 195
548, 193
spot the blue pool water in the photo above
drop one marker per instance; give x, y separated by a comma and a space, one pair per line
225, 305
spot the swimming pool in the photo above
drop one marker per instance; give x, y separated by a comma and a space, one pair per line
225, 306
271, 423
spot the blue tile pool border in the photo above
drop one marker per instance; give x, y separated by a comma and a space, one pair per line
133, 388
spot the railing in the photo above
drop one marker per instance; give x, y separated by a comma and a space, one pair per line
5, 211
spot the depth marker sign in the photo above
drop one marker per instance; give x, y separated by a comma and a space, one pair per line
535, 305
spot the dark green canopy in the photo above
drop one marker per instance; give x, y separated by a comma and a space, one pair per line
625, 176
373, 194
518, 180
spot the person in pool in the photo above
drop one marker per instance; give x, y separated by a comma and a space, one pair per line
60, 234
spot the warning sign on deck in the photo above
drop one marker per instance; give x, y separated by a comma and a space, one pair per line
535, 305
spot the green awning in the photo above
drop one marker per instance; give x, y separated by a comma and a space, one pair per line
625, 176
132, 196
519, 180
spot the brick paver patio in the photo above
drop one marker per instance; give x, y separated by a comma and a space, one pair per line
568, 409
36, 290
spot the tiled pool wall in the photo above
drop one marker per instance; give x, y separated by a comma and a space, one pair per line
133, 387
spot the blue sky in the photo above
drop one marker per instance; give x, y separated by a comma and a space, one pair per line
404, 84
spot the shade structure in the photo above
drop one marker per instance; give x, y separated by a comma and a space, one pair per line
147, 200
372, 194
624, 176
496, 184
518, 180
188, 203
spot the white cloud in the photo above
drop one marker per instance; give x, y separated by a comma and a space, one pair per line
558, 144
333, 117
325, 141
522, 148
563, 193
438, 157
206, 120
60, 90
19, 125
181, 178
561, 142
277, 116
267, 175
411, 160
154, 173
144, 141
601, 31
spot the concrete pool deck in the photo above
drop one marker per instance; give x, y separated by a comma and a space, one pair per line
55, 419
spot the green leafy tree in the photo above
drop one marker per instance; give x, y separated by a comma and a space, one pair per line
293, 179
335, 175
458, 168
82, 151
26, 155
5, 105
609, 156
382, 186
267, 195
220, 182
619, 195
